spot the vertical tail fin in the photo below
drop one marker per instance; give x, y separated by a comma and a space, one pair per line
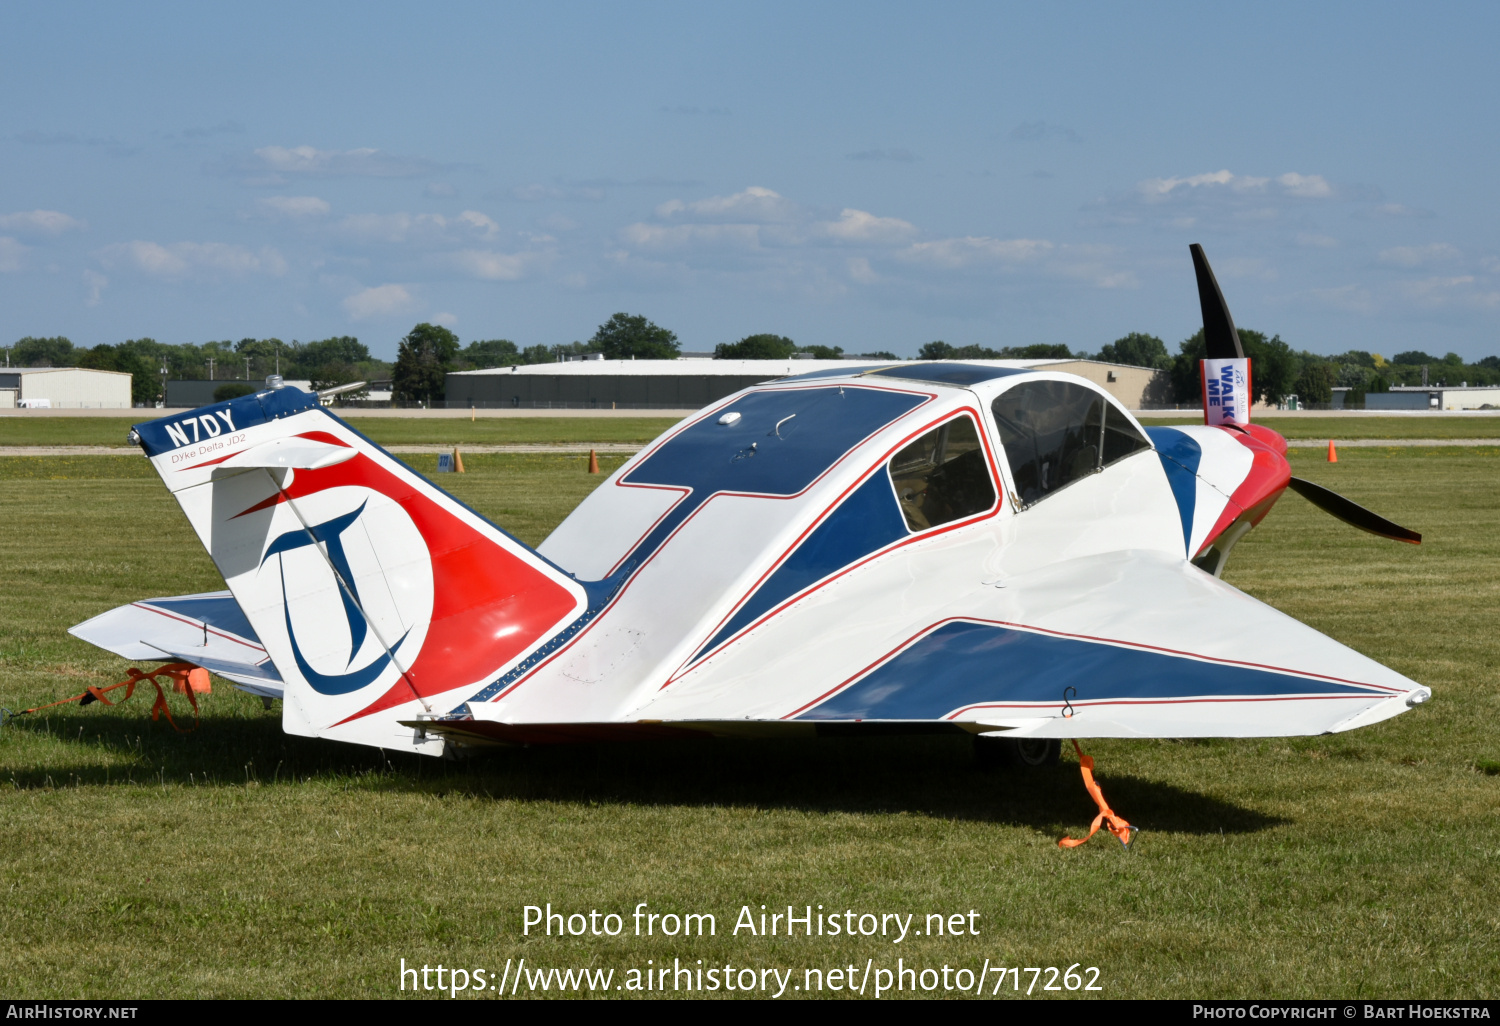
377, 595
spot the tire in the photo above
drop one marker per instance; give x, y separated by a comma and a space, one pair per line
1017, 753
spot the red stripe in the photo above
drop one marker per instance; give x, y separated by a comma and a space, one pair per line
198, 624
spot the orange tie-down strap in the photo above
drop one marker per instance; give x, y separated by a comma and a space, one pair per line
186, 679
1107, 818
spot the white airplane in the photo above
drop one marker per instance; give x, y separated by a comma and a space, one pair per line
912, 547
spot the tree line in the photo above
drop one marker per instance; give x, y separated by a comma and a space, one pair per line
429, 352
326, 363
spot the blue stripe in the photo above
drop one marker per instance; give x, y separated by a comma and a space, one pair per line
964, 664
221, 612
868, 520
1180, 456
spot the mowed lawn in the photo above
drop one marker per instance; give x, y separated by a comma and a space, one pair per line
50, 430
44, 430
235, 861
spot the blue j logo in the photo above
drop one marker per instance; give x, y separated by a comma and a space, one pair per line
330, 535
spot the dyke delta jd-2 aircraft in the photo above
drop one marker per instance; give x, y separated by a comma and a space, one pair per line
911, 547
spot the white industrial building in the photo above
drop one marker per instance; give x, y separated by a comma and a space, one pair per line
64, 388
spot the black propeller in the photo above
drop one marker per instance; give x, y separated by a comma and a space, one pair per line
1222, 341
1352, 512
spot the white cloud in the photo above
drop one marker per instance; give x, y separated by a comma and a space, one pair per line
273, 163
1246, 267
193, 259
1417, 256
754, 205
861, 272
1305, 186
446, 319
974, 249
1458, 290
96, 283
12, 254
1225, 181
861, 227
296, 206
1395, 210
40, 222
537, 193
439, 190
380, 301
1349, 298
491, 266
677, 237
427, 229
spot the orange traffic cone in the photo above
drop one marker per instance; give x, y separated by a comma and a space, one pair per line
1333, 454
458, 461
593, 462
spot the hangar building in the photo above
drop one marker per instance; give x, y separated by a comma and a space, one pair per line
692, 383
64, 388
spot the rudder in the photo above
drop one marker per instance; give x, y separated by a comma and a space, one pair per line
377, 595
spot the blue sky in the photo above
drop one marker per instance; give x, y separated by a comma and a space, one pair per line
873, 176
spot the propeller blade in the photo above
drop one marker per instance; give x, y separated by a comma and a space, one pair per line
1352, 513
1222, 341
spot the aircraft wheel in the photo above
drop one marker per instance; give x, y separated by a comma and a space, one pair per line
1017, 753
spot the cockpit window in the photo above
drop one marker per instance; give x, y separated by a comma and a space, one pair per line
1056, 432
942, 476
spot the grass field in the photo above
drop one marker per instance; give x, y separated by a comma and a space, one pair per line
236, 861
531, 430
385, 430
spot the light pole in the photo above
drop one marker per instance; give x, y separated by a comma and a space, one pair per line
210, 368
247, 368
164, 383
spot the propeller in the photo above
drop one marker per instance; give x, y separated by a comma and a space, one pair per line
1352, 513
1219, 336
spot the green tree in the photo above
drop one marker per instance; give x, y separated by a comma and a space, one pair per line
422, 361
1414, 358
495, 352
938, 350
823, 352
632, 337
1137, 350
538, 354
264, 354
1040, 351
341, 349
1315, 383
756, 347
1273, 367
43, 352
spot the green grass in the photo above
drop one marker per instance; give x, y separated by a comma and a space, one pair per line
237, 861
583, 430
385, 430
